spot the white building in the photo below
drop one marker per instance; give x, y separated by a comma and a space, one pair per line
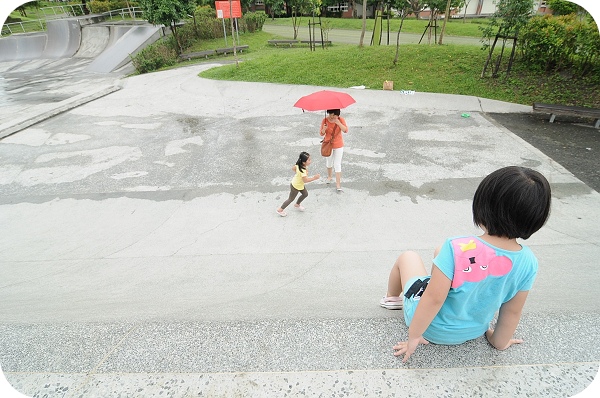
488, 7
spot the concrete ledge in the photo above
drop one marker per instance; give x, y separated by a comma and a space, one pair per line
564, 380
46, 111
278, 345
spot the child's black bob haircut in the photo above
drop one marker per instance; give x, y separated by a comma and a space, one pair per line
334, 111
512, 202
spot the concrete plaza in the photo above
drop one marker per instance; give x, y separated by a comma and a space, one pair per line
142, 256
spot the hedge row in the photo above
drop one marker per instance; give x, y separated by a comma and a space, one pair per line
203, 26
559, 43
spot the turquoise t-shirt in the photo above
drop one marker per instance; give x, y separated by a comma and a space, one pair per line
483, 278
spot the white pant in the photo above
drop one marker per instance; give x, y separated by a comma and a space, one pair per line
335, 160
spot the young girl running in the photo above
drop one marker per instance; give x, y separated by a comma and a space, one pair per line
473, 277
297, 185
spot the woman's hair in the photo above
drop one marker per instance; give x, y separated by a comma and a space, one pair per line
334, 111
301, 160
512, 202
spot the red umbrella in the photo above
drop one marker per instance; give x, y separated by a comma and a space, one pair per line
323, 100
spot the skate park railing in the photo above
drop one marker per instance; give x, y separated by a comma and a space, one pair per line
67, 11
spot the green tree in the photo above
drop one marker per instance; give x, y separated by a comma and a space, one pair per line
276, 7
302, 7
168, 13
30, 4
563, 7
417, 6
509, 18
404, 8
437, 7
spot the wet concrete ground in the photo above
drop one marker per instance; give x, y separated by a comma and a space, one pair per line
573, 142
142, 252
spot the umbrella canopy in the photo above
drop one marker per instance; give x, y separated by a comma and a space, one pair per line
323, 100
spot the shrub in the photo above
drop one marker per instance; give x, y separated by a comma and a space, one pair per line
155, 56
187, 37
208, 26
558, 43
98, 7
253, 21
76, 8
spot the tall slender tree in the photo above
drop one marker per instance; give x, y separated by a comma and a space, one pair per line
404, 8
364, 23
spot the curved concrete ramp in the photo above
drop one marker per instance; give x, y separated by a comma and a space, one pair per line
106, 47
130, 43
94, 40
116, 32
64, 38
22, 47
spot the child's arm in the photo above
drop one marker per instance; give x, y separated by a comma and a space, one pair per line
309, 179
508, 319
432, 300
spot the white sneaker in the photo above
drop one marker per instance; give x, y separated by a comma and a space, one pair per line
392, 303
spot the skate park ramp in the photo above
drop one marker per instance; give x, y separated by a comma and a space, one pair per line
76, 61
22, 47
61, 40
94, 40
64, 38
128, 44
107, 46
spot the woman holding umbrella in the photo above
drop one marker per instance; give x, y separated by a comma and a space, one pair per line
332, 127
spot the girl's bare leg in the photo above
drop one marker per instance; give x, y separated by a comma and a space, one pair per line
406, 267
338, 179
329, 169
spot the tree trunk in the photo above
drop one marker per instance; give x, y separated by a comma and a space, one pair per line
177, 44
233, 34
295, 24
446, 16
398, 38
364, 23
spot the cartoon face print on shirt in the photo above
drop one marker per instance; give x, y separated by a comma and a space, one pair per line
474, 261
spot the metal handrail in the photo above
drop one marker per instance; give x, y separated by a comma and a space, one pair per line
20, 27
32, 26
68, 9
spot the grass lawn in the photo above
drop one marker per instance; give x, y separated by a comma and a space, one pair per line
452, 69
454, 27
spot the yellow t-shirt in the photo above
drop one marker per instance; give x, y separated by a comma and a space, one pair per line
297, 181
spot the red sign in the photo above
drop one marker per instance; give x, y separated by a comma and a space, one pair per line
223, 9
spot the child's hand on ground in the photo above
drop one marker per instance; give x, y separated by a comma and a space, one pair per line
317, 176
408, 347
489, 335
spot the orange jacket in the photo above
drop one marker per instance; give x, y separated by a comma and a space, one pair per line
338, 141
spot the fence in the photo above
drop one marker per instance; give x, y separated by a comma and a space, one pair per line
68, 10
65, 11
